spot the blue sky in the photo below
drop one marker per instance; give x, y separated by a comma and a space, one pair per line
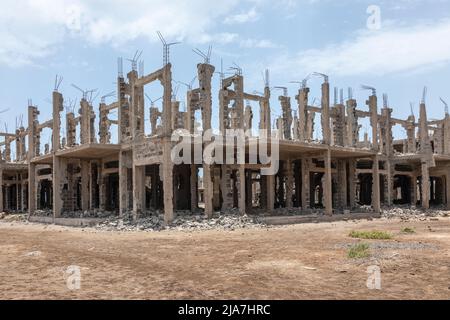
81, 41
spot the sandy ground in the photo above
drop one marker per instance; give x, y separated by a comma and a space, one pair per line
296, 262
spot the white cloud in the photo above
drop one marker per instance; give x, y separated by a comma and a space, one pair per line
244, 17
389, 50
31, 29
258, 43
220, 38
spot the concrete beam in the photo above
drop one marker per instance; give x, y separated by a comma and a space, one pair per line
327, 187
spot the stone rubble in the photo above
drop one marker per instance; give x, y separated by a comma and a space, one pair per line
227, 222
406, 213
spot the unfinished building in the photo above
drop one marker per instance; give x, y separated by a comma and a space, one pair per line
83, 172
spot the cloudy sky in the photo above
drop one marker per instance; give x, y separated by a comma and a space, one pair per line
81, 41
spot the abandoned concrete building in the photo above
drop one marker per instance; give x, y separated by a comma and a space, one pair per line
83, 171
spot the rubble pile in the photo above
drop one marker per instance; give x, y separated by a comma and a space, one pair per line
43, 213
226, 222
406, 213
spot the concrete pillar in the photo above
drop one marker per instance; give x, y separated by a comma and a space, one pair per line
226, 188
342, 183
124, 164
447, 190
325, 115
414, 190
31, 188
167, 177
373, 109
32, 114
17, 193
290, 183
287, 116
241, 186
138, 191
91, 187
57, 175
305, 184
270, 193
194, 187
7, 198
208, 193
352, 182
101, 187
425, 186
327, 188
216, 183
57, 170
302, 100
85, 185
352, 123
22, 195
376, 186
390, 183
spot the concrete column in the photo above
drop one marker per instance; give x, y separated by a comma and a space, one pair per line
270, 193
57, 175
325, 115
85, 185
447, 190
352, 182
138, 191
290, 183
1, 191
22, 196
167, 177
425, 186
390, 183
242, 202
327, 188
226, 188
373, 109
376, 185
208, 187
216, 182
302, 100
342, 183
305, 184
7, 198
124, 201
58, 169
17, 193
414, 190
31, 188
194, 187
91, 187
101, 187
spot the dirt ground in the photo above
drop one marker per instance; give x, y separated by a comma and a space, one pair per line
306, 261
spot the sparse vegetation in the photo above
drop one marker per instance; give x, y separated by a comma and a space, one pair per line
408, 230
372, 235
359, 251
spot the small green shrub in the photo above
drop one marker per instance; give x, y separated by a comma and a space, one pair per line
408, 230
358, 251
372, 235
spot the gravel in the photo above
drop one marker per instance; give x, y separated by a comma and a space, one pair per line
393, 246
